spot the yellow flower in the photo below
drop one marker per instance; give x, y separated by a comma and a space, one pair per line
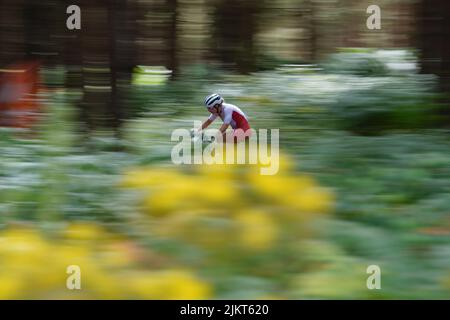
22, 246
315, 200
84, 231
280, 187
180, 284
283, 162
144, 178
170, 285
102, 282
189, 193
11, 286
169, 199
217, 192
221, 172
145, 285
34, 267
258, 230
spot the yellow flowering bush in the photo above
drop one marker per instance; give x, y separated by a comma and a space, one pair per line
218, 222
225, 207
35, 267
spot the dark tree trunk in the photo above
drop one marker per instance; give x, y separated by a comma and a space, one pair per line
312, 26
434, 44
107, 51
12, 31
172, 37
235, 25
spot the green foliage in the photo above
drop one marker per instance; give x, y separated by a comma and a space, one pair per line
360, 64
391, 188
387, 94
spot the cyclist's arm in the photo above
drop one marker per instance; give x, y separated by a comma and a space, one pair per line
206, 124
224, 128
208, 121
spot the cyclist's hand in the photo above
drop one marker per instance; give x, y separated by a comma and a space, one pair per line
194, 133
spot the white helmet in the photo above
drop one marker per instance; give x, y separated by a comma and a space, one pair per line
213, 100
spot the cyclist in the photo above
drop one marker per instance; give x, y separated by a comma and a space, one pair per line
231, 115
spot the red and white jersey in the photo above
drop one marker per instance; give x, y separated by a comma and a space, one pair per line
233, 116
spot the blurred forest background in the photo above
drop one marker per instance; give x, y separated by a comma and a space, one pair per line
86, 178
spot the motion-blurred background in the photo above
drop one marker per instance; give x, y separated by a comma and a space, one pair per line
86, 178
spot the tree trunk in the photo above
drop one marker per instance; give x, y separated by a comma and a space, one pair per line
172, 37
434, 44
235, 25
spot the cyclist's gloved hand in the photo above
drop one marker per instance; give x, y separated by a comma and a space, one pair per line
194, 132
